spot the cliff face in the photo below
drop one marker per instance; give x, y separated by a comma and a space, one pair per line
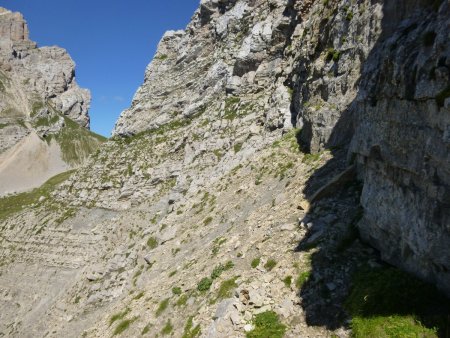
202, 208
37, 93
401, 143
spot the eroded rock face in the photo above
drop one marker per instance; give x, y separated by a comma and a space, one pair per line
402, 145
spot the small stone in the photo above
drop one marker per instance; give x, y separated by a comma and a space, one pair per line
248, 327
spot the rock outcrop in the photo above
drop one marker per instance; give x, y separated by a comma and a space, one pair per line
38, 92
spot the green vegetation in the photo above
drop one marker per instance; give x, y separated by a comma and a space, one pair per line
217, 244
189, 330
226, 288
267, 324
386, 302
204, 284
255, 262
302, 278
13, 204
119, 316
221, 268
161, 57
237, 147
168, 328
207, 220
139, 295
176, 290
270, 264
287, 281
332, 54
311, 158
162, 307
76, 142
123, 325
146, 329
2, 125
182, 300
36, 107
152, 242
46, 121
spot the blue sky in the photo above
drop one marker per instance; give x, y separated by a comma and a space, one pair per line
111, 42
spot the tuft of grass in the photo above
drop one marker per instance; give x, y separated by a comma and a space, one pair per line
139, 295
221, 268
123, 325
386, 302
255, 262
287, 281
207, 220
226, 288
176, 290
332, 54
168, 328
146, 329
118, 316
302, 278
237, 147
152, 243
182, 300
189, 330
204, 284
267, 324
270, 264
162, 307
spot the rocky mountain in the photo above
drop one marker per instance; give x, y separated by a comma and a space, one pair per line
39, 99
280, 162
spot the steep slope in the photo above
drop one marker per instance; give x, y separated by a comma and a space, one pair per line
37, 92
203, 214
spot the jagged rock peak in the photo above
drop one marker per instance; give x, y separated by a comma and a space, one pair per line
13, 26
44, 74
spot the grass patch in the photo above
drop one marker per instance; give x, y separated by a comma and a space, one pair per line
168, 328
267, 324
255, 262
76, 142
152, 243
237, 147
146, 329
118, 316
123, 325
226, 288
182, 300
332, 54
162, 307
204, 284
207, 220
221, 268
386, 302
287, 281
13, 204
270, 264
302, 278
189, 330
176, 290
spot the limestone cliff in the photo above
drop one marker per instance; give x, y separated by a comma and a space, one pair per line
38, 92
272, 146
